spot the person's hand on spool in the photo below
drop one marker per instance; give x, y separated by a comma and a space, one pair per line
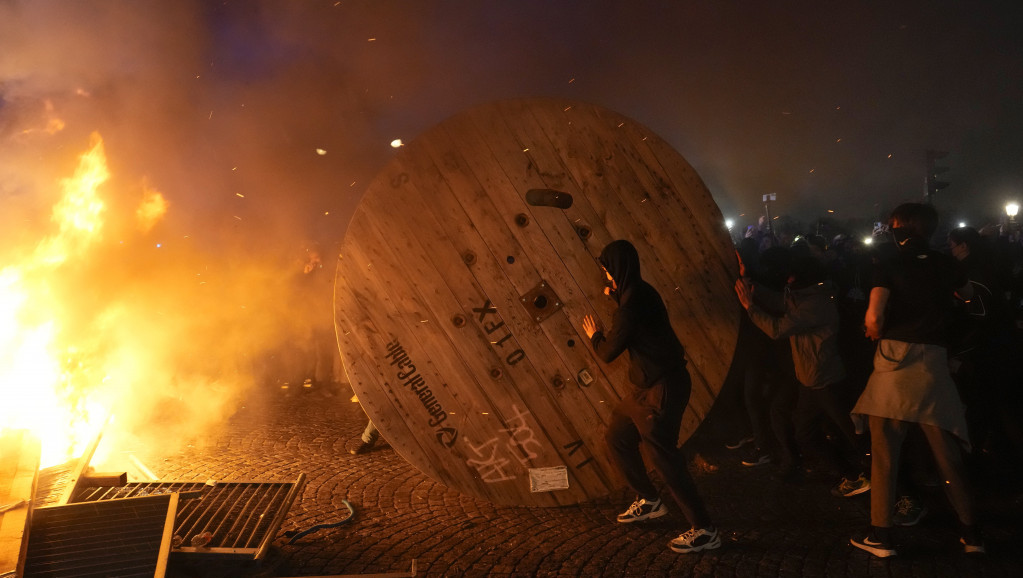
744, 290
590, 326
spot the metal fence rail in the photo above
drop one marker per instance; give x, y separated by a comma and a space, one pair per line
227, 518
125, 538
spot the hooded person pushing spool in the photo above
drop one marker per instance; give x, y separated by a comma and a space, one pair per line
466, 268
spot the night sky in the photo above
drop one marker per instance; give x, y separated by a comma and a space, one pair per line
830, 105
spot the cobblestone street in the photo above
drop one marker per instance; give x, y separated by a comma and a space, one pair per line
770, 528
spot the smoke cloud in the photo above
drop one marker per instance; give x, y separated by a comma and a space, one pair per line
251, 128
235, 151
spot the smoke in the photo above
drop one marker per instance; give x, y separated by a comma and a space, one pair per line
260, 122
236, 152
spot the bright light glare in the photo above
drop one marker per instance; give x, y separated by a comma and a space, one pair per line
729, 223
868, 240
396, 143
1011, 209
962, 224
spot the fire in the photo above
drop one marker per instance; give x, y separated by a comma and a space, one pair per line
152, 209
79, 212
41, 367
97, 319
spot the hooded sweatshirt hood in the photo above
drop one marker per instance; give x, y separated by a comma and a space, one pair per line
621, 260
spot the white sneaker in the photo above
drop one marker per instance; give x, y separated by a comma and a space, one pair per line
643, 510
874, 545
694, 540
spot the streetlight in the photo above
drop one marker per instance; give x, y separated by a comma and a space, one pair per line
1011, 208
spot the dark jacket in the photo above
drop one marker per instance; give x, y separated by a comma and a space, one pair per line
810, 321
640, 325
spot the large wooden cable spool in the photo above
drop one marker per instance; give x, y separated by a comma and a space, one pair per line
458, 304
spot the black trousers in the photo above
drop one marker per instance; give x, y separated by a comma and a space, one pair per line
648, 421
822, 409
769, 392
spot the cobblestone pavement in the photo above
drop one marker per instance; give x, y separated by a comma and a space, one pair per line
770, 528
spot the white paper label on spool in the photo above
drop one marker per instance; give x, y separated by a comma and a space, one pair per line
548, 479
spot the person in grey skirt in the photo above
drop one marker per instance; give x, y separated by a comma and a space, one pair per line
908, 314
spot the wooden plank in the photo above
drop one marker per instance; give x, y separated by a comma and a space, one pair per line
469, 425
706, 268
644, 224
696, 312
503, 401
94, 479
567, 262
78, 472
19, 470
469, 364
504, 282
547, 343
443, 248
366, 328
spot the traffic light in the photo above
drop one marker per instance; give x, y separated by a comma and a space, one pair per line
931, 182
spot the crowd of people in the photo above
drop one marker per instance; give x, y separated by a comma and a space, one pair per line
862, 356
886, 366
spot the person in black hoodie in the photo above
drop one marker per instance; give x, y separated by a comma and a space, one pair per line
651, 413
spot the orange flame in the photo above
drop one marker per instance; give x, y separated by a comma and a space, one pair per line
151, 210
38, 376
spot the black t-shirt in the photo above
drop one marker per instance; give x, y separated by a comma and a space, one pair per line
922, 284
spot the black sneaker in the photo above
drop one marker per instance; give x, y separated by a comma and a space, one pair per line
696, 541
908, 511
876, 546
643, 510
849, 488
756, 457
